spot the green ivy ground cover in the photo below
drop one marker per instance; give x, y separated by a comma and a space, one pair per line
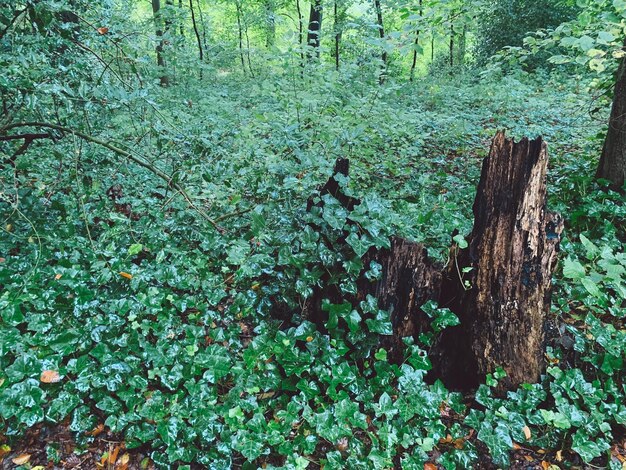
159, 326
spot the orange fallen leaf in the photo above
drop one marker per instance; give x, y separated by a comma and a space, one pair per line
103, 30
516, 446
430, 466
309, 339
527, 433
529, 458
58, 276
545, 465
2, 260
97, 430
21, 459
4, 450
113, 455
256, 286
559, 455
126, 275
50, 377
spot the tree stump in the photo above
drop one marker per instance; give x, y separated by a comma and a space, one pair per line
503, 305
512, 252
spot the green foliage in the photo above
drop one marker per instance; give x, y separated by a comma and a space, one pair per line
160, 325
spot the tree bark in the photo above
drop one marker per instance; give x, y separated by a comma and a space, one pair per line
512, 253
156, 12
314, 34
612, 164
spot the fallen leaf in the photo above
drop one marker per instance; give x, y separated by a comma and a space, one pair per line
126, 275
342, 444
430, 466
113, 455
103, 30
21, 459
97, 430
2, 260
529, 458
124, 459
545, 465
58, 276
516, 446
559, 455
309, 339
256, 286
38, 467
4, 450
527, 433
50, 377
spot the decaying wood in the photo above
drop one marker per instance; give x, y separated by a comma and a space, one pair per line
512, 253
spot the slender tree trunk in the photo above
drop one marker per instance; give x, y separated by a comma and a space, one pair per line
195, 30
432, 47
156, 12
270, 20
338, 28
240, 30
612, 165
416, 45
381, 31
245, 29
314, 34
451, 45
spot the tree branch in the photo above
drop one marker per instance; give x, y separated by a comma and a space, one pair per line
134, 158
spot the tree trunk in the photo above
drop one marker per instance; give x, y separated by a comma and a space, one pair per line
338, 26
381, 31
416, 44
240, 31
156, 8
502, 299
612, 165
195, 30
314, 34
451, 52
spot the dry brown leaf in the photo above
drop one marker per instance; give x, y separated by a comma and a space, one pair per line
50, 377
559, 455
309, 339
516, 446
57, 276
21, 459
529, 458
430, 466
103, 30
527, 433
2, 260
126, 275
4, 450
545, 465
